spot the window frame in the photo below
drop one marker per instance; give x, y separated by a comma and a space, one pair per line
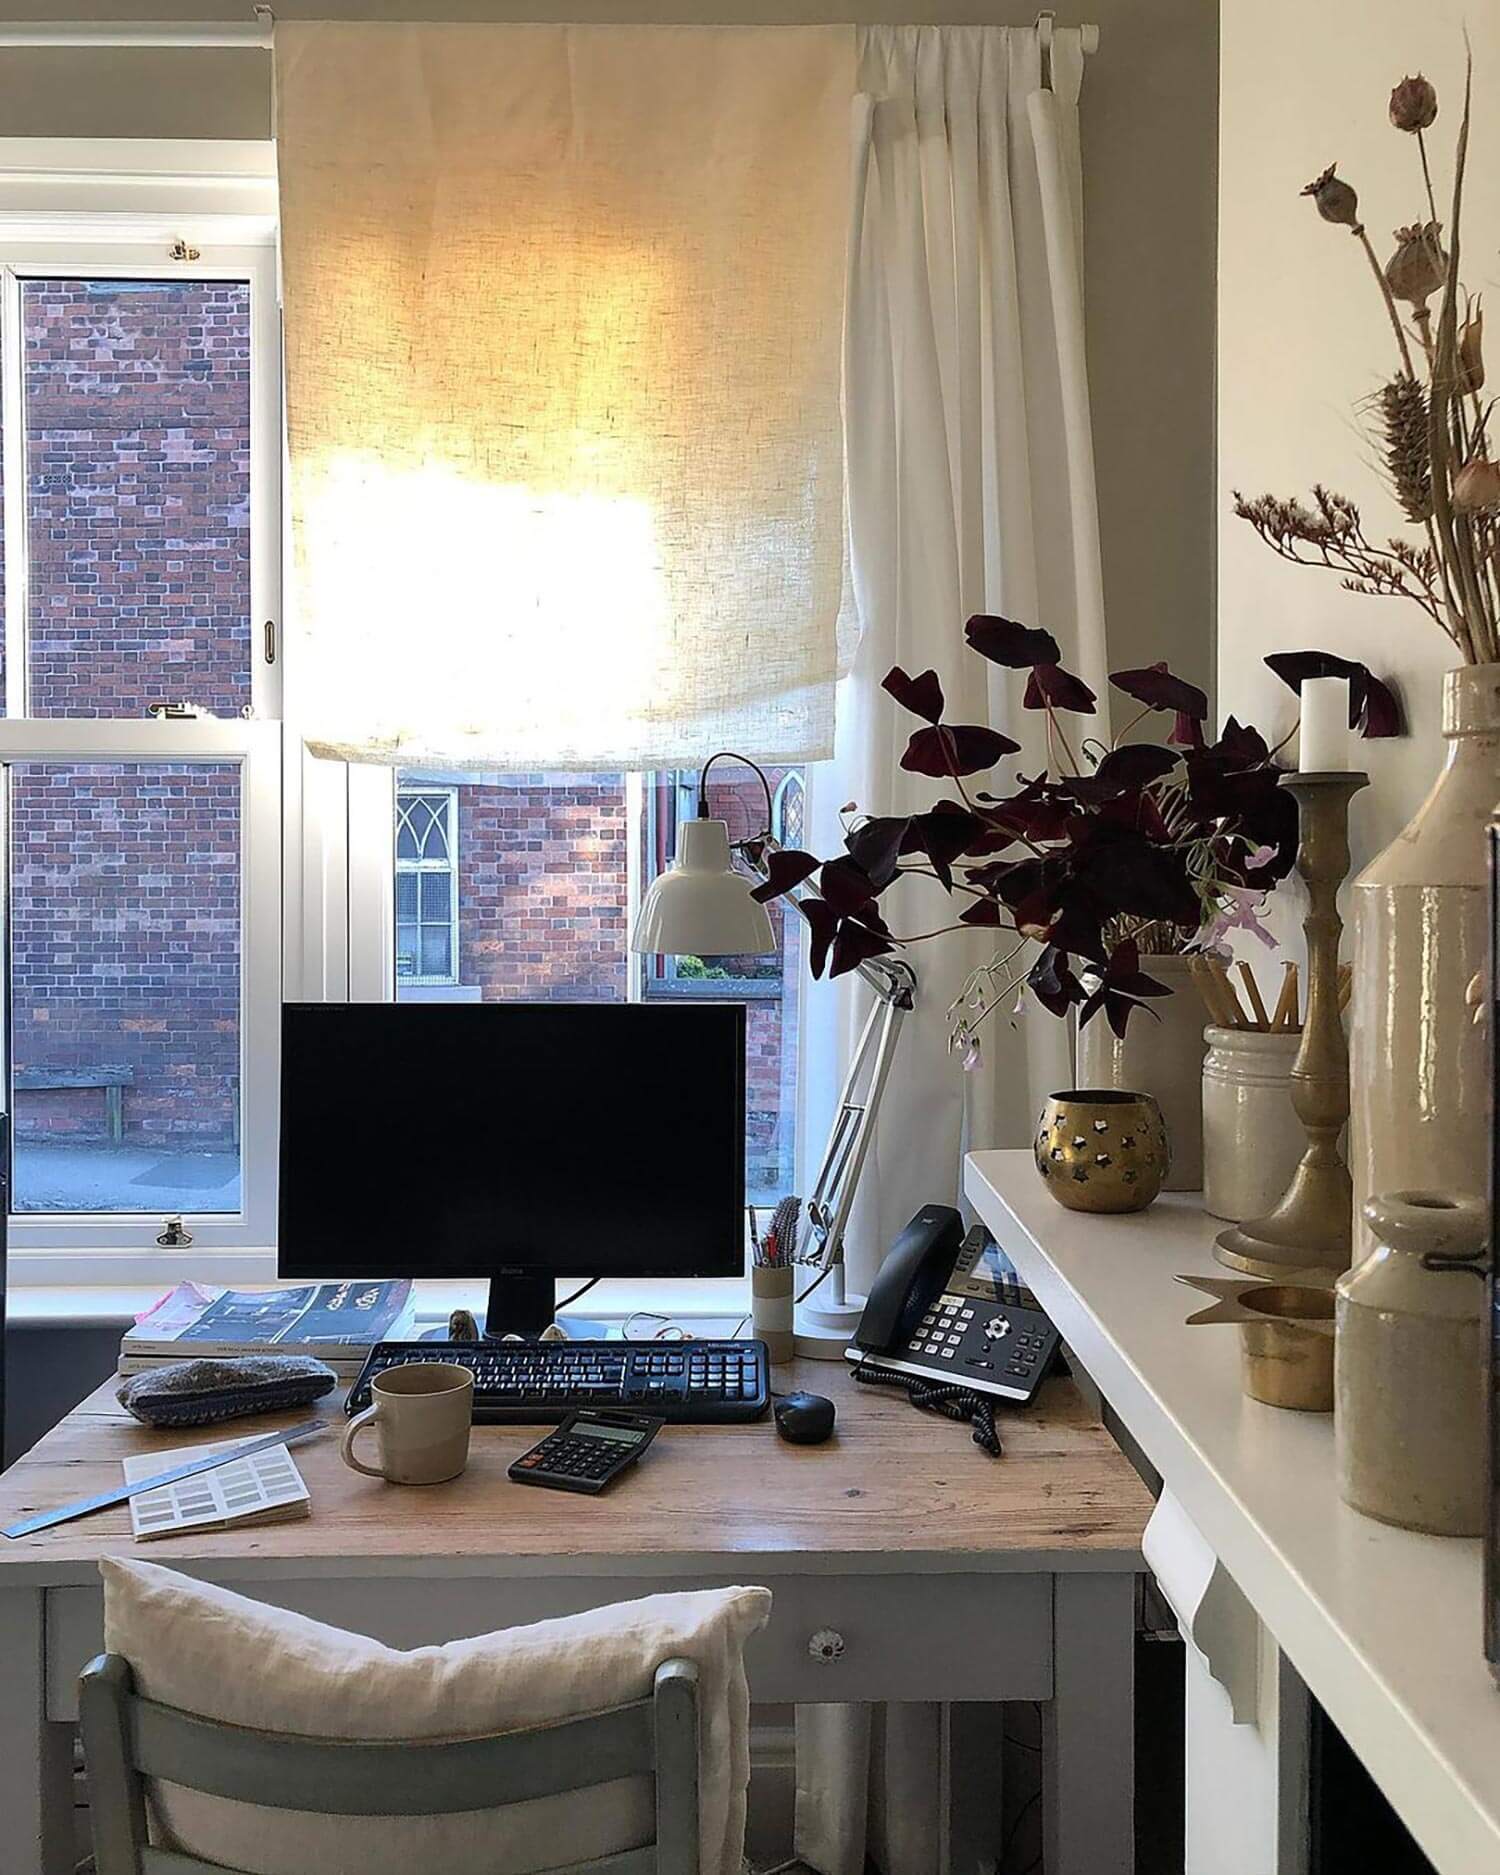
92, 209
120, 1247
420, 979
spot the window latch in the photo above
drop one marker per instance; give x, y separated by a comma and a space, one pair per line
175, 712
173, 1236
183, 250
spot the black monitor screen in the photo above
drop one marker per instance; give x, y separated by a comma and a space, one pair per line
567, 1139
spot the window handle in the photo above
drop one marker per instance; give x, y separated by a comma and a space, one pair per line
183, 712
270, 640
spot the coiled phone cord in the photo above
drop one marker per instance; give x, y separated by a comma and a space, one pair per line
958, 1403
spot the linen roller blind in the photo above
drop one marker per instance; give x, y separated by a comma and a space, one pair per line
563, 312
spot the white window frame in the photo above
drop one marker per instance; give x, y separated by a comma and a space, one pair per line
118, 1247
75, 209
420, 979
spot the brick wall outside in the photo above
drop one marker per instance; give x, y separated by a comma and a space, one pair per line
126, 904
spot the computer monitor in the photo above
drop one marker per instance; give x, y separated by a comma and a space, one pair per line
519, 1142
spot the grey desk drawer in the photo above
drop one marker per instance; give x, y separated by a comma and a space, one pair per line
953, 1637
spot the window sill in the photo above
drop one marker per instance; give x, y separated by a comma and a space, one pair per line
58, 1304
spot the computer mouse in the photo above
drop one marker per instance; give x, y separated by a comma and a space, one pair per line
804, 1418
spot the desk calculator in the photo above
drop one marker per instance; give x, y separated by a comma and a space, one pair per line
587, 1451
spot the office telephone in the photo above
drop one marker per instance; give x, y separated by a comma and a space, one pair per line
951, 1308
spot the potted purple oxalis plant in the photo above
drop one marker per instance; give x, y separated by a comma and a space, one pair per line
1106, 869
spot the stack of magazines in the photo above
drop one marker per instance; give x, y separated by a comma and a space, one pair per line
334, 1322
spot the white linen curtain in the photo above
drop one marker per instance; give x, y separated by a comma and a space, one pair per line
563, 326
970, 489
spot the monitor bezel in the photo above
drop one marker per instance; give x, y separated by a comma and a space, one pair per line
561, 1264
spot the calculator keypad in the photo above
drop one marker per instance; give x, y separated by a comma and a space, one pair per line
580, 1461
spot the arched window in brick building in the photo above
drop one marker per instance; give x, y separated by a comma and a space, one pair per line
427, 885
788, 805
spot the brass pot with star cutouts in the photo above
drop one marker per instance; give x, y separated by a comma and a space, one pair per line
1102, 1150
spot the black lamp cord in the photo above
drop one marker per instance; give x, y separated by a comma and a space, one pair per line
729, 755
936, 1396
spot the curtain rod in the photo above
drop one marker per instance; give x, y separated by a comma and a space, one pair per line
180, 35
142, 35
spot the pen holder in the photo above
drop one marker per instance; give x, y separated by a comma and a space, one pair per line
771, 1292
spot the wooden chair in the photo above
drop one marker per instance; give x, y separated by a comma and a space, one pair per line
127, 1739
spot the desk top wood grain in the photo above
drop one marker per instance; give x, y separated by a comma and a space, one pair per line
894, 1490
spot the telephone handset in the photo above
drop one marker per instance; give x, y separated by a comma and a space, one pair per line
952, 1308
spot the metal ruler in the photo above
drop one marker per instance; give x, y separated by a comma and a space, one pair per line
102, 1500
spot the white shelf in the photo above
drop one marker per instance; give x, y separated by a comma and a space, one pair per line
1383, 1625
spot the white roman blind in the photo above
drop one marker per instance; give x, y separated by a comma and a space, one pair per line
563, 317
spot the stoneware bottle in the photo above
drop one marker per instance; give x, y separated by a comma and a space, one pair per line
1409, 1368
1161, 1054
1418, 1067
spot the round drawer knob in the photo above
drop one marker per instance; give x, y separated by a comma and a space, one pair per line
826, 1645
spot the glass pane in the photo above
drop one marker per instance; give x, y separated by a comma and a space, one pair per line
125, 959
406, 950
541, 865
406, 895
436, 952
436, 896
138, 494
770, 986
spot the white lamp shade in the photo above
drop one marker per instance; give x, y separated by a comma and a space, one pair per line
701, 907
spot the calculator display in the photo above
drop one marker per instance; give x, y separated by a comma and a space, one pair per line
622, 1435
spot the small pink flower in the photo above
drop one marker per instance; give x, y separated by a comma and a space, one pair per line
1239, 913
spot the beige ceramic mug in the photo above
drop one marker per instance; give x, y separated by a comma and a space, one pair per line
421, 1413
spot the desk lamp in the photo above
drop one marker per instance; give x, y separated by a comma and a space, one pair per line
701, 906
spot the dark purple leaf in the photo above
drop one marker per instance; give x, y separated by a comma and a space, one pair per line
823, 922
876, 844
958, 749
1003, 641
1053, 983
846, 886
944, 833
1051, 684
1136, 765
856, 941
1382, 715
1155, 686
785, 868
1187, 731
923, 695
1374, 708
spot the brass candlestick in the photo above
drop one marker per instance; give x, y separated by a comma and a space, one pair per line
1312, 1225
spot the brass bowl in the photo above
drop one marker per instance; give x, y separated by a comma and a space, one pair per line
1286, 1355
1102, 1150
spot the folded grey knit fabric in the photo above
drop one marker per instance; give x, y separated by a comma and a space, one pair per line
196, 1393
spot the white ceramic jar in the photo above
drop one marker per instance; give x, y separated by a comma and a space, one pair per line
1410, 1369
1252, 1138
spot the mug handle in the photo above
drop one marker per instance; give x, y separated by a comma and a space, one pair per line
346, 1445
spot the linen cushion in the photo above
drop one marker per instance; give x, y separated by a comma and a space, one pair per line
207, 1650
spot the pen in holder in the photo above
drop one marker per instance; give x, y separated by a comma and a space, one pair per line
771, 1291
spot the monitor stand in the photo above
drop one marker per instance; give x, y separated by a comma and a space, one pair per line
523, 1305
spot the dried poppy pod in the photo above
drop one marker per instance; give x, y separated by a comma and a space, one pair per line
1414, 104
1476, 487
1419, 266
1335, 200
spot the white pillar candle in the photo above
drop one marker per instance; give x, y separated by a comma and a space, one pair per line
1324, 744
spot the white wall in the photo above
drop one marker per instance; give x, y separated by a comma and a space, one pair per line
1303, 334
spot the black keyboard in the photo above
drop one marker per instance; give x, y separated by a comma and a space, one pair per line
539, 1382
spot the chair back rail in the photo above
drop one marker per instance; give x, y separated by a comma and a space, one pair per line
128, 1738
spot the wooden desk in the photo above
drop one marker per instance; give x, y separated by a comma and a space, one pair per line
950, 1576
